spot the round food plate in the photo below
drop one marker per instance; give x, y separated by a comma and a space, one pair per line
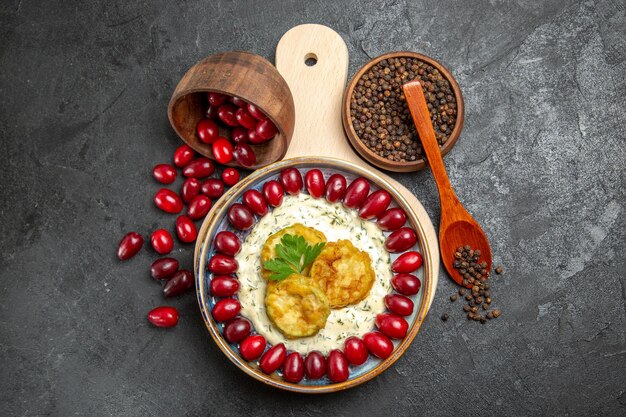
218, 221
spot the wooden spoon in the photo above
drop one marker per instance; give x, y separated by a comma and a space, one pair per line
456, 227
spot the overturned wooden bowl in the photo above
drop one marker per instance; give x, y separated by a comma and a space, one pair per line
371, 156
242, 74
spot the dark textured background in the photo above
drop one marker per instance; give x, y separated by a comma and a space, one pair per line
541, 164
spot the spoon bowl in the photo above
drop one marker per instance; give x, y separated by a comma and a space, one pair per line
458, 234
456, 227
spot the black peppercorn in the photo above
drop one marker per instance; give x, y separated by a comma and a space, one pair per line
475, 275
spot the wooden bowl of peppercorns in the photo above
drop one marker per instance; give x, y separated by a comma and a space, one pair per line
376, 118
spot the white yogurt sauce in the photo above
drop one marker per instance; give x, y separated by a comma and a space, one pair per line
336, 222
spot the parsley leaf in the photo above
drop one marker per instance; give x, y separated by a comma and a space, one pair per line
294, 256
279, 268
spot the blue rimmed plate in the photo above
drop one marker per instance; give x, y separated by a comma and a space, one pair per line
217, 221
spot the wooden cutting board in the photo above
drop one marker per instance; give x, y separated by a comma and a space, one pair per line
318, 95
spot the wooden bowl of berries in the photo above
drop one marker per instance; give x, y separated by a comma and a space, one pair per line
376, 118
234, 108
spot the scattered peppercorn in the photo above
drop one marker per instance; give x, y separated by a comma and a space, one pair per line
445, 317
475, 275
379, 113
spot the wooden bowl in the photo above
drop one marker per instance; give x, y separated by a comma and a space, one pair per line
240, 74
373, 157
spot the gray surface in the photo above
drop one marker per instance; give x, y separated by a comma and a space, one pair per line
83, 92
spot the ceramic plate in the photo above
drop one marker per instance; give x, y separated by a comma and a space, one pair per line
219, 222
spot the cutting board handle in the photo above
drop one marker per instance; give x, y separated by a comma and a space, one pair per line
313, 59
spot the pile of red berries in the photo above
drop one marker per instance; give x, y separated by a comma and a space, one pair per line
196, 193
242, 121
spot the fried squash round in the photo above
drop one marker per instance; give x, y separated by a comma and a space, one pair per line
296, 306
344, 273
310, 235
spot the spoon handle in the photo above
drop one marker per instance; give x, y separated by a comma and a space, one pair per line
421, 117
